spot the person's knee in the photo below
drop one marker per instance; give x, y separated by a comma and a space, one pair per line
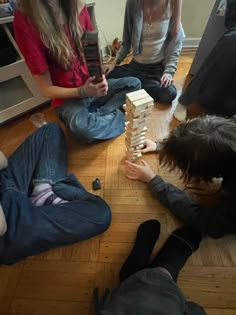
105, 217
80, 128
53, 130
136, 83
54, 127
132, 83
82, 135
167, 95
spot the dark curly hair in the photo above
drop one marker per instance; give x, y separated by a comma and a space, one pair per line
202, 148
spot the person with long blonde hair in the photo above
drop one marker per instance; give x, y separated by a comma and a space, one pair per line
49, 34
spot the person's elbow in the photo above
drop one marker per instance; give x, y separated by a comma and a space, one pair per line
46, 92
45, 84
174, 29
173, 33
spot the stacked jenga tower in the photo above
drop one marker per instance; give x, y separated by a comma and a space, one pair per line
138, 109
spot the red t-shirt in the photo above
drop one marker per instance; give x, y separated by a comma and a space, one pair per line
37, 55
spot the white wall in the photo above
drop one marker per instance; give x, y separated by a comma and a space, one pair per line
110, 16
195, 15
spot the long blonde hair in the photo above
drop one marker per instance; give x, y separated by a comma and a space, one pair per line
52, 32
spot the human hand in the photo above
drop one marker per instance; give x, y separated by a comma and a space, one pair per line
96, 89
149, 146
166, 80
143, 172
109, 68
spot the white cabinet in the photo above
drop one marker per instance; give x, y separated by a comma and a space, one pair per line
18, 90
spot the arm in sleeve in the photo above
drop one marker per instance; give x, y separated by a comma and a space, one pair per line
85, 19
127, 33
30, 44
215, 222
173, 49
176, 11
35, 54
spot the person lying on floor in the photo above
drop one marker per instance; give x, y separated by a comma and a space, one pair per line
202, 149
42, 207
150, 288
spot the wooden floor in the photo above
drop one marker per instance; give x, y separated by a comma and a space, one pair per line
60, 282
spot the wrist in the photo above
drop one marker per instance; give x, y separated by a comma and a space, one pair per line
153, 146
81, 92
158, 146
168, 74
149, 178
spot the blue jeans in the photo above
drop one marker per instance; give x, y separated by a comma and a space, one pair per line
150, 76
92, 119
32, 230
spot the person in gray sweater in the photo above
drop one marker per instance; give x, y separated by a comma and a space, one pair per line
154, 32
202, 149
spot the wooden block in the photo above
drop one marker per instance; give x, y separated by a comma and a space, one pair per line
135, 123
132, 132
135, 135
139, 105
140, 115
136, 142
133, 157
140, 124
140, 112
134, 149
143, 115
136, 95
135, 139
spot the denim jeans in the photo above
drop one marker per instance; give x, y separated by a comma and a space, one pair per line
32, 230
150, 76
214, 84
149, 291
92, 119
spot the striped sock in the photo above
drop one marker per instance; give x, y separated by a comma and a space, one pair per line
44, 195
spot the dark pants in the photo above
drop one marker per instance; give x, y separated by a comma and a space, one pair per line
150, 76
32, 230
214, 86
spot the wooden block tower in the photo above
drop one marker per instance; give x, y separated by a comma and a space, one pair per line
138, 110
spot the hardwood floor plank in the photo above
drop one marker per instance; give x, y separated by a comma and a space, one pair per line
39, 307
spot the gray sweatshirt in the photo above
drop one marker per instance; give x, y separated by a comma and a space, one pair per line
132, 37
